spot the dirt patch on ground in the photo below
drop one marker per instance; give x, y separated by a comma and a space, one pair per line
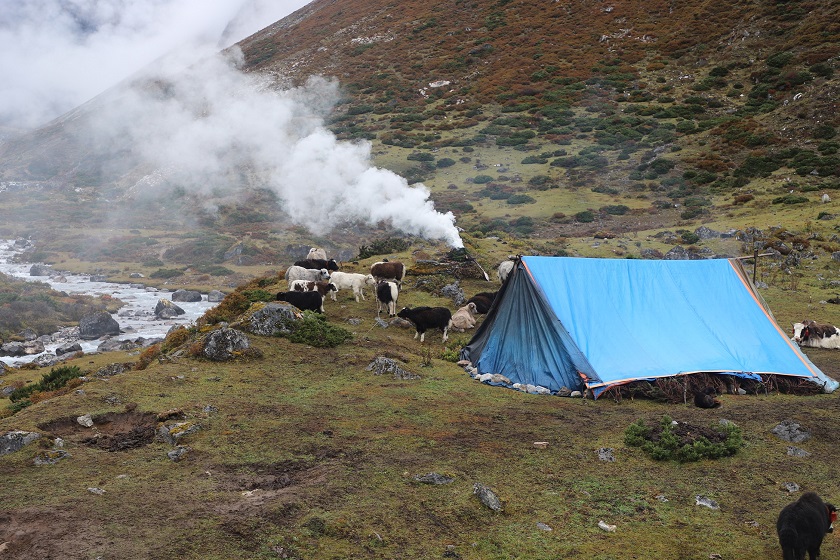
113, 431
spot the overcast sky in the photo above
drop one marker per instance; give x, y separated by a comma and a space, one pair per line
57, 54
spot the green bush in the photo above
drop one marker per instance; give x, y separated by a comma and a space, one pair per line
789, 199
445, 162
383, 247
52, 381
520, 199
665, 443
314, 330
166, 273
585, 217
482, 179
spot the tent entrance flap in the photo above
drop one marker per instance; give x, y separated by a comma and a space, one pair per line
523, 340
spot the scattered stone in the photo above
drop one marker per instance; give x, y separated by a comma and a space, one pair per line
68, 348
797, 452
381, 365
113, 369
606, 527
433, 478
382, 323
499, 378
541, 444
85, 421
50, 457
662, 498
455, 293
790, 487
16, 440
706, 502
607, 454
544, 527
355, 321
165, 309
178, 453
791, 431
173, 433
186, 296
488, 497
576, 394
215, 296
210, 409
564, 391
40, 269
97, 491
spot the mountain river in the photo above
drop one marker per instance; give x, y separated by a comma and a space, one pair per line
136, 318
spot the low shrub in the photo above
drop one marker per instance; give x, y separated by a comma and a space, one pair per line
314, 330
682, 442
52, 381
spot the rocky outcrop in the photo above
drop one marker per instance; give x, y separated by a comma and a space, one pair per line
224, 344
271, 319
98, 325
16, 440
215, 296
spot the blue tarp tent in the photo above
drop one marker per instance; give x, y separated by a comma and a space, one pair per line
598, 323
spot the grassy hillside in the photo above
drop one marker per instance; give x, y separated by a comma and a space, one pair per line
556, 128
304, 453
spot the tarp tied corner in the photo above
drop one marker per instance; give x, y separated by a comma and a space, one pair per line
598, 323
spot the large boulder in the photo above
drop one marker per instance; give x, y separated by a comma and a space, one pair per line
186, 295
97, 325
14, 349
271, 319
215, 296
165, 309
224, 344
40, 269
68, 348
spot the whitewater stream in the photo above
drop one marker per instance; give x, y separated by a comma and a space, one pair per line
136, 318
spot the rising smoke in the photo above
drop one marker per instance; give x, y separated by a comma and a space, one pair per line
213, 130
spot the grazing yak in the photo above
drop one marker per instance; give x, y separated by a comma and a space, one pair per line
464, 318
311, 301
309, 274
802, 525
318, 264
322, 288
388, 270
483, 301
809, 333
705, 398
316, 253
386, 295
505, 269
351, 281
425, 318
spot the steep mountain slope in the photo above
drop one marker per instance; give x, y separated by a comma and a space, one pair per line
545, 119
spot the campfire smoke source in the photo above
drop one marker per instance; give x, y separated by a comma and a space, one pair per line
214, 130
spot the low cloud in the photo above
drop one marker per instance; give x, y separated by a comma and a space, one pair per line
57, 54
213, 130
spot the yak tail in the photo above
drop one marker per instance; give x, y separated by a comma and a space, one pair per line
791, 547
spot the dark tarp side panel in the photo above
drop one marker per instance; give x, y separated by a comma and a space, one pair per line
522, 339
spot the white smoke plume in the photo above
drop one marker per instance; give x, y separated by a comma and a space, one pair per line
209, 124
58, 54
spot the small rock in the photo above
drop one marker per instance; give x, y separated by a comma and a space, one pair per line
606, 454
85, 421
50, 457
791, 431
178, 453
706, 502
544, 527
97, 491
488, 497
540, 444
662, 498
790, 487
606, 527
797, 452
434, 478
